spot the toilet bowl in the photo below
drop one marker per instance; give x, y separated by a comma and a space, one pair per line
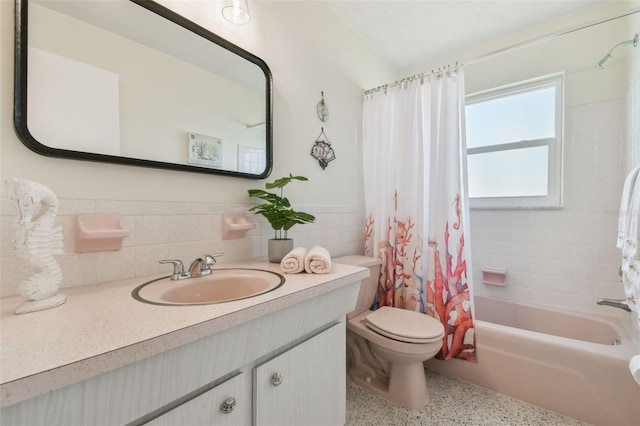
388, 346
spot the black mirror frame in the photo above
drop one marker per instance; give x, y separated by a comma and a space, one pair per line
20, 96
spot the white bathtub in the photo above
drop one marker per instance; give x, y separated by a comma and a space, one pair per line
562, 361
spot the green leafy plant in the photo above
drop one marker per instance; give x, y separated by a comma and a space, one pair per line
277, 208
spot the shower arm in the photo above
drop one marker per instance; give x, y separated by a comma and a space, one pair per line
634, 40
603, 62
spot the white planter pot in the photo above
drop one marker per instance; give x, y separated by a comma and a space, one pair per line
278, 249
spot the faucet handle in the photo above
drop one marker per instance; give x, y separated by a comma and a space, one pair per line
178, 269
210, 259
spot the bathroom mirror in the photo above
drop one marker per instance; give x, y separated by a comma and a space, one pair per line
132, 82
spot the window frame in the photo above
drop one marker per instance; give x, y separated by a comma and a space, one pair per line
553, 199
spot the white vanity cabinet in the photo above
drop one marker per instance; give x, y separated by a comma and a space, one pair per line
227, 404
186, 385
300, 387
303, 386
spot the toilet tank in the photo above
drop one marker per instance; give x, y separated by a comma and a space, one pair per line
368, 286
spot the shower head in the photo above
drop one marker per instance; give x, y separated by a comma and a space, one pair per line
602, 63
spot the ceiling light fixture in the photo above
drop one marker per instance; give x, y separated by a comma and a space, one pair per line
602, 63
236, 11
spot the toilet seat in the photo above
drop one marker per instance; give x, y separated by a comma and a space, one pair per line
405, 326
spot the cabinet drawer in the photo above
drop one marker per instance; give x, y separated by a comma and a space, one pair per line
207, 409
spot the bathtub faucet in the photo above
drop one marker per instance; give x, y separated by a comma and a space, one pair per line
621, 304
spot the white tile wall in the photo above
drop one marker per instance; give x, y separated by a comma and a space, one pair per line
161, 230
563, 258
632, 148
631, 160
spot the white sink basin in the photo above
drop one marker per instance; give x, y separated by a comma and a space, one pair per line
223, 285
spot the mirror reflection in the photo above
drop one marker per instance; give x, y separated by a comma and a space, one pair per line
134, 83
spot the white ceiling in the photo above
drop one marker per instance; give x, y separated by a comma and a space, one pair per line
411, 33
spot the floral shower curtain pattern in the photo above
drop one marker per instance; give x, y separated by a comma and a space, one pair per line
414, 168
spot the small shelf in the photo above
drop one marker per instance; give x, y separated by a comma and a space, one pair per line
494, 276
235, 225
99, 232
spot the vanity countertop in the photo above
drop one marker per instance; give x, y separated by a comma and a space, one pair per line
101, 327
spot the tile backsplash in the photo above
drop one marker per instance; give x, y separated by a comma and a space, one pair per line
168, 230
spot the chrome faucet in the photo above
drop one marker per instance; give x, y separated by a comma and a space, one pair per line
200, 267
621, 304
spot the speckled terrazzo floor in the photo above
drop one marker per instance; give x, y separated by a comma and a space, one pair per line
484, 408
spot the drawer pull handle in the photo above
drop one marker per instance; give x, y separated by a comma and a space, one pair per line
276, 379
228, 405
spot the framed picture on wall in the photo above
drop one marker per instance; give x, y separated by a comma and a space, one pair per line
205, 150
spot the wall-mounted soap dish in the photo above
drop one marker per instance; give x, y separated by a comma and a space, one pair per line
99, 232
494, 276
235, 225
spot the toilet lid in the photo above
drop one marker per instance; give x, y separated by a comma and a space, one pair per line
405, 326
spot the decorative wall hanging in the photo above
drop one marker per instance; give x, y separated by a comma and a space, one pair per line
37, 240
322, 109
322, 150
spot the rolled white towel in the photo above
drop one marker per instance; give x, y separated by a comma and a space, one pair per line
293, 262
317, 261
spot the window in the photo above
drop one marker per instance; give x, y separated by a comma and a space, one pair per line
514, 145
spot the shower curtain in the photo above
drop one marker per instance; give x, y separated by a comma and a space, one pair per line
416, 209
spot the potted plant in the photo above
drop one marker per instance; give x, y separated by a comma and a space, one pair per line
278, 211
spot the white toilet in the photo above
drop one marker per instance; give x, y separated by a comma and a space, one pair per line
388, 346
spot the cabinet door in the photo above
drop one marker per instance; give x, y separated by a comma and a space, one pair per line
229, 403
305, 385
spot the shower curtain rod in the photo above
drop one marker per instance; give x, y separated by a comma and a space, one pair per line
507, 49
444, 69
